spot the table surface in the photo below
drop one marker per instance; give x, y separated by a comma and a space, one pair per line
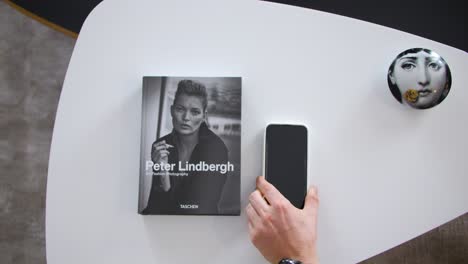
386, 173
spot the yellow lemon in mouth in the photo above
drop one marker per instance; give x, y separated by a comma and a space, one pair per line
411, 96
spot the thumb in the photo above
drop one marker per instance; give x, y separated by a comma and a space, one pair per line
312, 200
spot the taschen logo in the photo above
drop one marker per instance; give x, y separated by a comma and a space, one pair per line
189, 206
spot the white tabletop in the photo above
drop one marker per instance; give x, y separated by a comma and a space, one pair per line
386, 173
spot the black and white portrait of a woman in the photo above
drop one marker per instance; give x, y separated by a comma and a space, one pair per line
420, 78
190, 149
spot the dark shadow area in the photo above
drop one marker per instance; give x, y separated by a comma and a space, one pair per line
441, 21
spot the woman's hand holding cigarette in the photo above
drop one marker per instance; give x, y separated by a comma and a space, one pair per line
160, 155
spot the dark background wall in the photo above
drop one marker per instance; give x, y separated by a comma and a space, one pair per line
442, 21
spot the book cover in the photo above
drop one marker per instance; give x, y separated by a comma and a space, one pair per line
190, 146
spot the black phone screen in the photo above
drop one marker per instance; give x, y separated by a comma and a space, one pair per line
286, 161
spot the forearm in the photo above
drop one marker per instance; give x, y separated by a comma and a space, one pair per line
163, 182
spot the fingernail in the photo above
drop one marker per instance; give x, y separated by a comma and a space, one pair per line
313, 190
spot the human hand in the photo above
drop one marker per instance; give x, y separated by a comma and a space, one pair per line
280, 230
160, 152
160, 155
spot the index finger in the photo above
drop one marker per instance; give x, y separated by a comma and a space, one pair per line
156, 144
269, 191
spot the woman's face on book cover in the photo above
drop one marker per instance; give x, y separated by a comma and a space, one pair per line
421, 78
187, 114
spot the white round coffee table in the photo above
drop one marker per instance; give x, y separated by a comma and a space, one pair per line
386, 173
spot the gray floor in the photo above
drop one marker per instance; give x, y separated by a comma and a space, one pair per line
33, 62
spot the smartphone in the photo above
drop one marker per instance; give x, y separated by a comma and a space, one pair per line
285, 160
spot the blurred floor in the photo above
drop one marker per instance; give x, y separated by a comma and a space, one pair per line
33, 62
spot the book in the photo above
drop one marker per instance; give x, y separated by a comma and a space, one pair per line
190, 155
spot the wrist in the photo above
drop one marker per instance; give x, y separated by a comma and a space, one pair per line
289, 261
312, 260
307, 259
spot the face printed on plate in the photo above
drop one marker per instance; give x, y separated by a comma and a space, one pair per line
187, 114
422, 78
